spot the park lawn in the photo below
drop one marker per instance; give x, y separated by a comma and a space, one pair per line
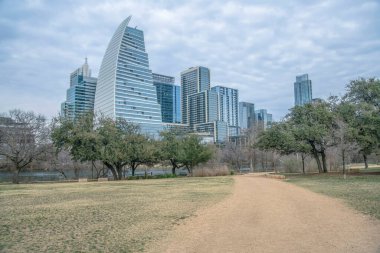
360, 191
122, 216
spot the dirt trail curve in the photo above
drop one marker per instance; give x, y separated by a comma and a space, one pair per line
268, 215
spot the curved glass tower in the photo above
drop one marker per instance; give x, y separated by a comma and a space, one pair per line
125, 85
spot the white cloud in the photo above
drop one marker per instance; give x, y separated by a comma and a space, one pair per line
255, 47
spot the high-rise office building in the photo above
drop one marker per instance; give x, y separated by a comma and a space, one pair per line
168, 96
81, 94
202, 107
228, 108
125, 86
263, 119
200, 104
193, 81
302, 90
246, 115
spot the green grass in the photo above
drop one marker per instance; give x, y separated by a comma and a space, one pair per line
100, 217
360, 191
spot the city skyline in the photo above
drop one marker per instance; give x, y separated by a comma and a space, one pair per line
241, 43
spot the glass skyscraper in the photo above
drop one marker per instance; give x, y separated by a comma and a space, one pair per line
246, 115
168, 96
81, 94
228, 108
200, 104
263, 119
193, 81
302, 90
125, 86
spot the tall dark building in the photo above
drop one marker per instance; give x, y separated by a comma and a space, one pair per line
193, 81
246, 115
302, 90
168, 96
81, 94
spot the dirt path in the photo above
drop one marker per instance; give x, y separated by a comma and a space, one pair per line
268, 215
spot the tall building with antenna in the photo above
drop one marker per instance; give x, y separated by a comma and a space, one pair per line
81, 94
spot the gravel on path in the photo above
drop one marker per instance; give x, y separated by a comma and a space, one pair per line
268, 215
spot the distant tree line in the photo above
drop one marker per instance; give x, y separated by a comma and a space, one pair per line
350, 124
104, 143
120, 144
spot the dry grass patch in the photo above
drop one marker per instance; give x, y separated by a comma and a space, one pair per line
100, 217
362, 192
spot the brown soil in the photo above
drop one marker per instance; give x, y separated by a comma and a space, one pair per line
269, 215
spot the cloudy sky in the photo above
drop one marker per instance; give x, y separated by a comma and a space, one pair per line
257, 47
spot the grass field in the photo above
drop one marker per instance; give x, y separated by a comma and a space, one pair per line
361, 191
100, 217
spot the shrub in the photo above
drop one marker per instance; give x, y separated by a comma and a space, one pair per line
210, 171
291, 165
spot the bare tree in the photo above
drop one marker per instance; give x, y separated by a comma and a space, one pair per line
344, 142
23, 138
234, 154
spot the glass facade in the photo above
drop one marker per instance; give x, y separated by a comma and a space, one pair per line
263, 119
208, 111
217, 129
168, 96
228, 108
194, 80
246, 115
81, 94
125, 86
302, 90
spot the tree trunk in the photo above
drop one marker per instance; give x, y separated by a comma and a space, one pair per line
114, 173
173, 170
365, 161
344, 161
113, 170
119, 173
189, 169
174, 166
303, 163
323, 155
316, 157
15, 178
